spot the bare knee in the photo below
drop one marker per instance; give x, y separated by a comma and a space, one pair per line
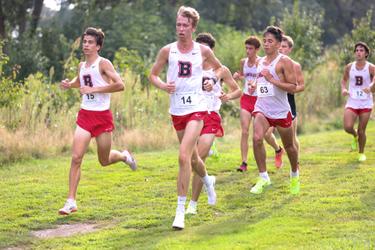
245, 132
184, 159
77, 160
257, 140
290, 148
361, 132
348, 129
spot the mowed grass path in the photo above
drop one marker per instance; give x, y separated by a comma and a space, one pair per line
135, 210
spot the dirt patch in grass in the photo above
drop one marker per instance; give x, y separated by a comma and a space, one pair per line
66, 230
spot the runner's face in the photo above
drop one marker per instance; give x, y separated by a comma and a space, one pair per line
284, 48
89, 45
270, 44
360, 53
251, 51
184, 27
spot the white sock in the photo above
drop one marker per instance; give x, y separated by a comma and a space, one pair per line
294, 174
71, 201
206, 180
181, 200
193, 203
264, 175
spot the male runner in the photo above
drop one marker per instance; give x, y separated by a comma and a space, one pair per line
360, 74
188, 105
276, 78
96, 79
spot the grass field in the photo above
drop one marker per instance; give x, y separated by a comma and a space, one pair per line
135, 210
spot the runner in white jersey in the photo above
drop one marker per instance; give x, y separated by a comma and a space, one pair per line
360, 74
286, 48
248, 74
212, 123
96, 80
276, 78
188, 107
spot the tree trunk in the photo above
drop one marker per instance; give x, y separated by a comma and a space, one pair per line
2, 22
37, 10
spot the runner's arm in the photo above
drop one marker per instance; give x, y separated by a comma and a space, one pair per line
238, 75
300, 79
345, 78
235, 91
161, 61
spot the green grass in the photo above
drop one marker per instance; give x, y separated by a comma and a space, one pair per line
135, 210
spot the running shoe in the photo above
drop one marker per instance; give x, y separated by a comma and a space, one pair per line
294, 185
242, 167
69, 207
179, 220
362, 157
191, 209
279, 158
130, 160
260, 186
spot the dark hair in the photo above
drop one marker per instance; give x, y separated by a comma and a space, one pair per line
364, 45
253, 40
275, 31
95, 32
206, 38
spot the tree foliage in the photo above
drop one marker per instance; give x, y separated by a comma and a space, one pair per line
363, 31
305, 29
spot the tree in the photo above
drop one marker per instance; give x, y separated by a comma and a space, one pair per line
363, 31
305, 29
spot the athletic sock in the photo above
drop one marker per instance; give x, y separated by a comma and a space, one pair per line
181, 200
264, 175
294, 174
279, 150
206, 180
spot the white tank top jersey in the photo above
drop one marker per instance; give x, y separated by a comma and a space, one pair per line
272, 101
358, 80
185, 70
250, 73
90, 76
212, 97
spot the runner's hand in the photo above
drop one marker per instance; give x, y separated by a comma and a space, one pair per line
208, 85
65, 84
170, 87
86, 90
224, 97
252, 86
345, 92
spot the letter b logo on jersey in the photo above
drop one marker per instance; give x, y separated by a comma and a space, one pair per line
358, 80
184, 69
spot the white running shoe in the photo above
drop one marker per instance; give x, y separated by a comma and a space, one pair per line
130, 161
191, 209
69, 207
210, 188
179, 221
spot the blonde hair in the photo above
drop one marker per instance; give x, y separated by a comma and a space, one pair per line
289, 40
189, 13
